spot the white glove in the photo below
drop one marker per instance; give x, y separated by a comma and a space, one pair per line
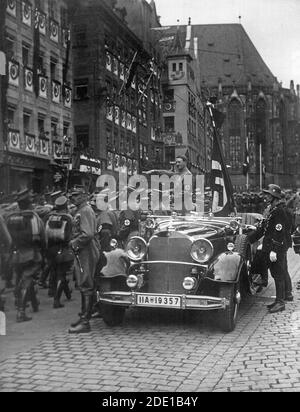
273, 257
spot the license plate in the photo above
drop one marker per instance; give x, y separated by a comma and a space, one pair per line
159, 301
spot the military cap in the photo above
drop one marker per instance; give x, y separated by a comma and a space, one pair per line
61, 202
79, 190
23, 195
56, 194
274, 190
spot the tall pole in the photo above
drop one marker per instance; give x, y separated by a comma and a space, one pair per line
260, 167
247, 176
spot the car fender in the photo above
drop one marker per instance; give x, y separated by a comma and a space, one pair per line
226, 267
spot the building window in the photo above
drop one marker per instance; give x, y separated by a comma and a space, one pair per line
170, 154
41, 64
174, 67
52, 9
235, 152
82, 136
54, 128
26, 122
10, 47
25, 55
66, 128
169, 95
41, 124
80, 35
81, 89
53, 69
180, 67
11, 117
169, 124
235, 130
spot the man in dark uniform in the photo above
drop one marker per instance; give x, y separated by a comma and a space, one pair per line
5, 244
59, 226
86, 249
28, 235
276, 232
107, 221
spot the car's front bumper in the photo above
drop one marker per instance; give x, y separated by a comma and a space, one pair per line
132, 299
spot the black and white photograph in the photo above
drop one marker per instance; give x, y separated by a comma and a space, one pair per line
149, 198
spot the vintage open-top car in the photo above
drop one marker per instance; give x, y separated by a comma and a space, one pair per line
181, 263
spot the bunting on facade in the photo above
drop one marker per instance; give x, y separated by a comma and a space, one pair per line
36, 52
67, 59
222, 191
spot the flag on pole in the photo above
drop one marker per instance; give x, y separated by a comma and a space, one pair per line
130, 74
246, 163
222, 191
67, 58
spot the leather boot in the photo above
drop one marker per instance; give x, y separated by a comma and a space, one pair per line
80, 314
57, 295
52, 284
67, 290
289, 297
278, 307
35, 303
21, 315
271, 305
84, 325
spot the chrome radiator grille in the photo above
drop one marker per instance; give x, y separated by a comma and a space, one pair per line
167, 277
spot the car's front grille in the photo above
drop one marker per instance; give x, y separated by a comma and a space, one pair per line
167, 277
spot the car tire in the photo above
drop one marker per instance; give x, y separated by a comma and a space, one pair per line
227, 318
241, 245
112, 315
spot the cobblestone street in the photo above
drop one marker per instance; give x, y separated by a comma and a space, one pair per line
155, 350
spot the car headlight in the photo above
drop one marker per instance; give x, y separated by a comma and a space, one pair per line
230, 247
114, 244
132, 281
298, 229
202, 250
189, 283
136, 248
234, 225
150, 223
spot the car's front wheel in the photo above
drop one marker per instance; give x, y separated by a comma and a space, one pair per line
227, 317
112, 315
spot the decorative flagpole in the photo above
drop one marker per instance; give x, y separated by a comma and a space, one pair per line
247, 176
228, 184
260, 167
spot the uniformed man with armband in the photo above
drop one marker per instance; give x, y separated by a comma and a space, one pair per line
276, 233
86, 250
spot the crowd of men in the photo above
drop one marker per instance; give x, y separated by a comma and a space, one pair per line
61, 236
50, 242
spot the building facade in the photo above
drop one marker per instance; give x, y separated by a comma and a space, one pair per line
187, 127
36, 94
116, 89
259, 112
